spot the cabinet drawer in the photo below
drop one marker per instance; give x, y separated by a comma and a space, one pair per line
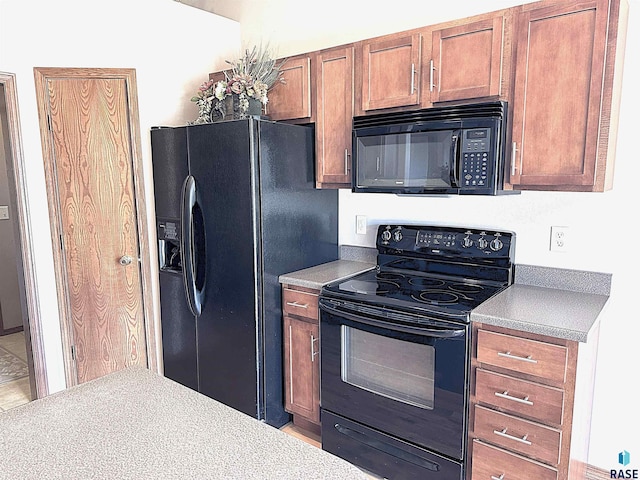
529, 399
299, 303
522, 436
490, 462
531, 357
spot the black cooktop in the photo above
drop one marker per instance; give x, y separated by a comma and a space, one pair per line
433, 269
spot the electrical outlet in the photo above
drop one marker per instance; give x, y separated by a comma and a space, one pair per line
559, 239
4, 212
361, 224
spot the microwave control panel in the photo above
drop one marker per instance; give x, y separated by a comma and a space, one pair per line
476, 162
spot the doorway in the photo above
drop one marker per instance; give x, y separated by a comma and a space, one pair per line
19, 218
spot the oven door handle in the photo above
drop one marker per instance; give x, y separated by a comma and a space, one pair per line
388, 323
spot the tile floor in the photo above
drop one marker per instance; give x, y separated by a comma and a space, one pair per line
17, 392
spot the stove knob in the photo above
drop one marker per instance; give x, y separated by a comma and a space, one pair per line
386, 235
467, 242
397, 235
482, 243
496, 244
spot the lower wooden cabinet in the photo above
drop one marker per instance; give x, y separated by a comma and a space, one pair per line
530, 405
302, 356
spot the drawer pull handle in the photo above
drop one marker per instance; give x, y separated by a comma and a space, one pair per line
503, 433
299, 305
516, 357
506, 396
501, 477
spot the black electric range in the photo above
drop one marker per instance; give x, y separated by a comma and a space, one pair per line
437, 270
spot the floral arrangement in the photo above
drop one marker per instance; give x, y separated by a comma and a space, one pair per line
250, 77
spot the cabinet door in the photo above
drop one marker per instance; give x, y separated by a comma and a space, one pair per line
391, 72
334, 117
557, 97
291, 100
466, 61
302, 368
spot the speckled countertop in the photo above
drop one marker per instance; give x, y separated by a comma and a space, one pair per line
320, 275
135, 424
546, 311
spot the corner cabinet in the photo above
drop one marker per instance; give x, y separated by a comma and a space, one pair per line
530, 405
564, 101
291, 100
302, 356
334, 117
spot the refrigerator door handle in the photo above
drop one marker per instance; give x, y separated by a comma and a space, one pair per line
187, 246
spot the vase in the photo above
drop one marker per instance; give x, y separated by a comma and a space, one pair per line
232, 108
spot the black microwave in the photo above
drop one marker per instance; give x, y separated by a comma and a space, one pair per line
453, 150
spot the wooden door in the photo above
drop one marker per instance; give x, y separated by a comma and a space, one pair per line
466, 61
334, 112
291, 100
558, 94
391, 72
91, 145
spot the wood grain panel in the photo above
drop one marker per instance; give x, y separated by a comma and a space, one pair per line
93, 163
391, 72
334, 100
299, 303
491, 462
531, 439
514, 395
292, 99
522, 355
477, 47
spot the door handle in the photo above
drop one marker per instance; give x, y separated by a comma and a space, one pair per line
125, 260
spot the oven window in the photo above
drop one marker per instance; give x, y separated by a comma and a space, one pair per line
393, 368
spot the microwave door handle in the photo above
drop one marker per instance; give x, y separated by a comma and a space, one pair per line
454, 173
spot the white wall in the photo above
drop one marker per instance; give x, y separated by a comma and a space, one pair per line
600, 223
171, 46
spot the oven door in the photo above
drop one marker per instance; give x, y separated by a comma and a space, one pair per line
399, 373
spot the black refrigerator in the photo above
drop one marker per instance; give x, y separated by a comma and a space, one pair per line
235, 208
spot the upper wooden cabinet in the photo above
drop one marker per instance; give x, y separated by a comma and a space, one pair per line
334, 117
390, 67
291, 100
567, 64
466, 61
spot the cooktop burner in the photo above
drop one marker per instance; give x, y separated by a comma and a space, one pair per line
410, 288
433, 269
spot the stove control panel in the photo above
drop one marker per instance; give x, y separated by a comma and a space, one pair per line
448, 241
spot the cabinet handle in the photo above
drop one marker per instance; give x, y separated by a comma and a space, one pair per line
431, 76
313, 352
514, 149
503, 433
298, 305
516, 357
346, 161
413, 76
506, 396
501, 477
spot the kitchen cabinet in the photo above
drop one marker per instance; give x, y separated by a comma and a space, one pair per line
291, 100
566, 94
467, 61
302, 356
390, 71
531, 399
334, 117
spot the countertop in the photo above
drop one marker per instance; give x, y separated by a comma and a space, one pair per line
135, 424
320, 275
554, 312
